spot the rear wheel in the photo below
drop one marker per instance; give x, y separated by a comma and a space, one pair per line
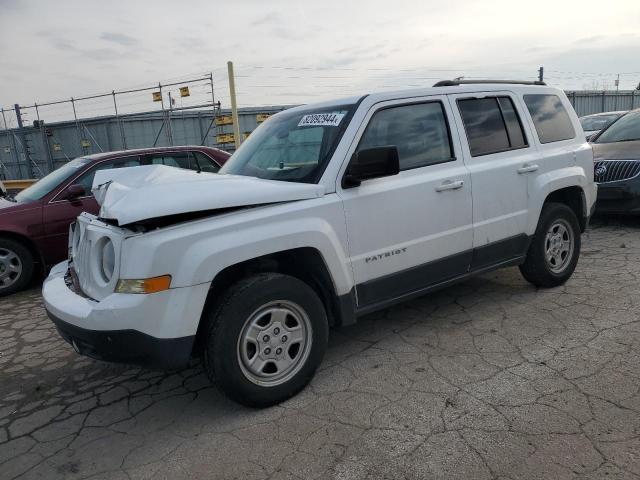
555, 247
16, 266
265, 339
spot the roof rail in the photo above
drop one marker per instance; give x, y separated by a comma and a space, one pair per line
452, 83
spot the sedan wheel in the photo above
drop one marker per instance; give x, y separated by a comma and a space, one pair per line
10, 267
16, 266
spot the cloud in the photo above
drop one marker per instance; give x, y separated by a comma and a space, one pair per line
63, 44
271, 17
10, 5
118, 38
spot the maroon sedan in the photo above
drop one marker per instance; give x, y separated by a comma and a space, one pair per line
34, 224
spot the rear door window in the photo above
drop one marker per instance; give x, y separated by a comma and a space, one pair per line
550, 118
206, 163
492, 125
86, 180
175, 159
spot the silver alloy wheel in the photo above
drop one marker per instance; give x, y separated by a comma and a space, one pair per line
274, 343
558, 246
10, 267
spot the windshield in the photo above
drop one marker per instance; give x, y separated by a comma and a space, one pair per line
51, 181
292, 146
597, 122
624, 130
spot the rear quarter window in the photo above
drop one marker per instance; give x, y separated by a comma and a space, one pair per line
550, 118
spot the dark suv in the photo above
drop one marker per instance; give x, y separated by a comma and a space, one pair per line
616, 156
34, 225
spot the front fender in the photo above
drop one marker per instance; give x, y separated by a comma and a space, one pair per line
196, 252
231, 248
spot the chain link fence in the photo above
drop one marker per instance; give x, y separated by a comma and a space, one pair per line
186, 113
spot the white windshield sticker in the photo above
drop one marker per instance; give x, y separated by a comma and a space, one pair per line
321, 119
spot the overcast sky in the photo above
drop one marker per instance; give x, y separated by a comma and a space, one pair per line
56, 49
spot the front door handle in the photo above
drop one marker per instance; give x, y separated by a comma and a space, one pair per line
449, 185
528, 168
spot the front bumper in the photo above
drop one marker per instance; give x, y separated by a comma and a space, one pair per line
156, 330
622, 197
126, 346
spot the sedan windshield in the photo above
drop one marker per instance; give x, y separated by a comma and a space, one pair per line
624, 130
597, 122
51, 181
292, 146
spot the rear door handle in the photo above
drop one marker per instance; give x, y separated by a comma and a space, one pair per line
528, 168
449, 185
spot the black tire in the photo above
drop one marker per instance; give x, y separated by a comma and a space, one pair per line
12, 284
536, 269
235, 310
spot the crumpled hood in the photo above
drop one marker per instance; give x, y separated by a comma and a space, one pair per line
129, 195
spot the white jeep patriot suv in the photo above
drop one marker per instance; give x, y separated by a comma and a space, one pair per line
327, 212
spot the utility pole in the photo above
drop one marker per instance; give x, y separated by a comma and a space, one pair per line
23, 140
234, 106
541, 74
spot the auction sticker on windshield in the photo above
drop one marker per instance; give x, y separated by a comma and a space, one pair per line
321, 119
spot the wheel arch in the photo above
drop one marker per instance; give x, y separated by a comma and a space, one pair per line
573, 197
304, 263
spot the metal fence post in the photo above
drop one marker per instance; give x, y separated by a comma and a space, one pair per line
603, 109
633, 99
75, 116
23, 141
45, 141
13, 142
119, 120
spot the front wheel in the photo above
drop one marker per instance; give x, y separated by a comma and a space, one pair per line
266, 337
555, 247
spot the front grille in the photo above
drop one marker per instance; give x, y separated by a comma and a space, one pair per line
615, 170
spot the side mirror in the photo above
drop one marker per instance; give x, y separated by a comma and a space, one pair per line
74, 191
371, 163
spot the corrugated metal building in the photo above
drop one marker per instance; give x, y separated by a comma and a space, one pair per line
588, 102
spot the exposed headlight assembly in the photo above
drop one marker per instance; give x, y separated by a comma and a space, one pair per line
106, 259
